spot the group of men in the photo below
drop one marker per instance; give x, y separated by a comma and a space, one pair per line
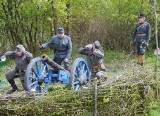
62, 46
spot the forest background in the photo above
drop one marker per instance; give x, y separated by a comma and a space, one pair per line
112, 22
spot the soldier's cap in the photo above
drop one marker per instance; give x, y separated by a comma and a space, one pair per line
60, 30
97, 44
141, 16
20, 48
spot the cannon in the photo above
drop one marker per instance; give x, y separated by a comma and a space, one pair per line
42, 71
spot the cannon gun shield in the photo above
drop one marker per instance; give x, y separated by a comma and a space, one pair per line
80, 74
37, 76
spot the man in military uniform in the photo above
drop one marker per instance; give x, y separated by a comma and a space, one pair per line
95, 54
141, 35
62, 45
22, 59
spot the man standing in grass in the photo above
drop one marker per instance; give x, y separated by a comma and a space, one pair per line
62, 46
141, 35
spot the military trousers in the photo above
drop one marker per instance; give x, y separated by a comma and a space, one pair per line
60, 60
11, 75
141, 48
99, 74
14, 74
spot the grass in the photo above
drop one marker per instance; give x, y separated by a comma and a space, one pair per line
114, 61
4, 69
113, 55
155, 111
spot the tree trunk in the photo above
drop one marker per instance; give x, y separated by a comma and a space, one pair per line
68, 17
54, 17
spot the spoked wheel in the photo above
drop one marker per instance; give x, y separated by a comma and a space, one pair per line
37, 76
80, 74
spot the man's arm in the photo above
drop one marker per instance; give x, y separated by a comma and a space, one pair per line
69, 51
10, 54
134, 34
82, 51
48, 44
148, 33
98, 53
28, 56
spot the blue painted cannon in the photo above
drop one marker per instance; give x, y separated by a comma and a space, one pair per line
42, 71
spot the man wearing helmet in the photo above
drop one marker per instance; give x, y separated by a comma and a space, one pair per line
22, 59
95, 54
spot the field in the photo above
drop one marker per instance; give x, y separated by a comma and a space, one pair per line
121, 94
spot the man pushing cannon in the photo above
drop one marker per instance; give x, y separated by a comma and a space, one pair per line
62, 45
22, 59
95, 54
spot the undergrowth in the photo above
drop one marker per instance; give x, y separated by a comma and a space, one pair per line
135, 92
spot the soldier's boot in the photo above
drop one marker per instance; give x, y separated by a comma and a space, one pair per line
23, 85
142, 60
14, 86
139, 59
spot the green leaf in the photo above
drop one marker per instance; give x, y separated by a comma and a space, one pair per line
105, 100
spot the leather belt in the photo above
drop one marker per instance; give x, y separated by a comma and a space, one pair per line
96, 67
21, 71
141, 34
60, 51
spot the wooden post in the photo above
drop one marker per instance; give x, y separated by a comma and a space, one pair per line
95, 97
156, 35
156, 38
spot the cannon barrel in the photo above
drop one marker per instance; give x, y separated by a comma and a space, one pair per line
51, 63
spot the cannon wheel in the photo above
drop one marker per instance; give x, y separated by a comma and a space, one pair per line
36, 72
80, 74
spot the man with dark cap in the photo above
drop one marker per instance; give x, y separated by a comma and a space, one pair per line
141, 35
62, 45
95, 54
22, 59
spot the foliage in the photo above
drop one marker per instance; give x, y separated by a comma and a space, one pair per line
120, 97
33, 22
112, 22
155, 111
130, 92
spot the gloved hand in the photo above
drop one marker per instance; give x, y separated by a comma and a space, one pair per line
40, 47
133, 42
146, 43
66, 60
91, 54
